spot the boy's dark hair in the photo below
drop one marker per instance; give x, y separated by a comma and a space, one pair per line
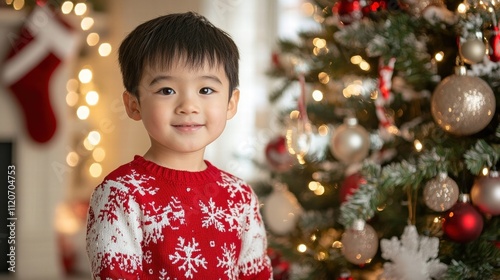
158, 42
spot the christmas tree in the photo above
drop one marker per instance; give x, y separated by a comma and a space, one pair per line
405, 186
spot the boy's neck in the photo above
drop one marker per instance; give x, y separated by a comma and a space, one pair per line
186, 162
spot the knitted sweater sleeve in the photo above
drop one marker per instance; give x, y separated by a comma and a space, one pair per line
114, 233
254, 262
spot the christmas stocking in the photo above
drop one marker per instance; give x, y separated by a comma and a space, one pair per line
44, 41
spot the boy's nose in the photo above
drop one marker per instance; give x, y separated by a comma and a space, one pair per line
187, 105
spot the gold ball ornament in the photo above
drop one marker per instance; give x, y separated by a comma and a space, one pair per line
441, 193
461, 104
473, 50
359, 243
485, 193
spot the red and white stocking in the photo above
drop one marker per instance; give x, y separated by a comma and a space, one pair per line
43, 43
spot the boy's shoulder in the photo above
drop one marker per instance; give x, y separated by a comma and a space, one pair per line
228, 178
122, 170
127, 173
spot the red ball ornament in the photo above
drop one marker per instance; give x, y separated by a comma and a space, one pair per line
494, 52
463, 223
281, 268
349, 186
277, 155
348, 11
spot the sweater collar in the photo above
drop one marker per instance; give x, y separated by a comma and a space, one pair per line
159, 171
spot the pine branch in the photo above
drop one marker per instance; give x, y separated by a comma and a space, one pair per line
481, 155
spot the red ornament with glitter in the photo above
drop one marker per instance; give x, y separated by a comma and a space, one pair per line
277, 155
463, 223
281, 268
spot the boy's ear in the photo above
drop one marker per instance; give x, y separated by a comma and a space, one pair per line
232, 107
132, 106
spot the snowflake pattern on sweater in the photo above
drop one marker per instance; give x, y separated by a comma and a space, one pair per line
150, 222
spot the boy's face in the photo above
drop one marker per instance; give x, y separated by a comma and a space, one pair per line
183, 108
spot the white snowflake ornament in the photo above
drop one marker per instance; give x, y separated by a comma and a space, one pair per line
412, 258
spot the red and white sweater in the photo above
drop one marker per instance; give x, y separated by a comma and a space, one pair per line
146, 221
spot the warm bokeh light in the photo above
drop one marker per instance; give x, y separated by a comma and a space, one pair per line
93, 39
72, 159
294, 114
92, 97
323, 130
67, 7
105, 49
485, 171
323, 78
313, 185
72, 85
302, 248
317, 95
356, 59
365, 66
462, 8
87, 144
18, 4
307, 9
99, 154
439, 56
319, 43
85, 75
80, 9
95, 170
87, 23
83, 112
320, 190
71, 98
418, 145
94, 137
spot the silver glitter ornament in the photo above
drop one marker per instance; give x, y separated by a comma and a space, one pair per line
485, 193
461, 104
359, 243
441, 193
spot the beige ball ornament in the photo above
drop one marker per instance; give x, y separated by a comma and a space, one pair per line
350, 142
473, 50
485, 193
462, 105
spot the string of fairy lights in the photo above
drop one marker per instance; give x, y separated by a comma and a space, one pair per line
356, 87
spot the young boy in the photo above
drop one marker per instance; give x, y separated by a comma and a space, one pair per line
170, 214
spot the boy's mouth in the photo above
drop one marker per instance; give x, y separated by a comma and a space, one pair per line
188, 126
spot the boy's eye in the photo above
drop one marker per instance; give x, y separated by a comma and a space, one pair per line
206, 90
166, 91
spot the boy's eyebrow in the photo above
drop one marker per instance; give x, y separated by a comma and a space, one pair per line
168, 77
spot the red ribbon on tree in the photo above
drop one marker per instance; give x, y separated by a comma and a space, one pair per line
385, 85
